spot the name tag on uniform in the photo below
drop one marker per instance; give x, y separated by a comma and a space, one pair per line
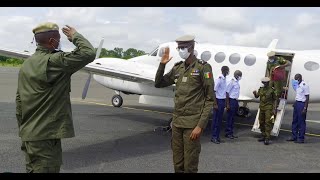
184, 79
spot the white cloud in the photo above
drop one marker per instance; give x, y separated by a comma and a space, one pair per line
145, 28
225, 18
261, 37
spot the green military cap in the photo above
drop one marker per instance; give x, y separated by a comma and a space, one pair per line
185, 38
271, 53
265, 79
45, 27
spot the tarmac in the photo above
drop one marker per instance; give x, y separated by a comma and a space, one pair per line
129, 139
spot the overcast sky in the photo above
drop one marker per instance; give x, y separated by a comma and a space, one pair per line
146, 27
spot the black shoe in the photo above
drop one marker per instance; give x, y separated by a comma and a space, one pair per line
291, 139
216, 141
229, 136
299, 141
234, 136
266, 142
261, 139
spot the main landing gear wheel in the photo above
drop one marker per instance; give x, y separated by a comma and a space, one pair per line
243, 112
117, 100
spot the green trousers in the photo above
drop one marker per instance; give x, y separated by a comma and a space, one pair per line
185, 152
42, 156
265, 123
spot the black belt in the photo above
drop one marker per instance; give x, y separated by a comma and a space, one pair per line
300, 101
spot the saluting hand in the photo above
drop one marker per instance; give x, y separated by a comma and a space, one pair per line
165, 57
195, 134
69, 32
254, 92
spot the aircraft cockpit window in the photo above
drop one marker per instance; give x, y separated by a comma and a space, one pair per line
234, 58
219, 57
311, 66
206, 55
154, 52
250, 60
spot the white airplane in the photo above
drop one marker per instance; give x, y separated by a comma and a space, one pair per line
136, 75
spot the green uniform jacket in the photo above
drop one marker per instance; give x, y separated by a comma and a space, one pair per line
194, 97
278, 61
43, 107
267, 98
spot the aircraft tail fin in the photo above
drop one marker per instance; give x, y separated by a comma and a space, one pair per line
273, 44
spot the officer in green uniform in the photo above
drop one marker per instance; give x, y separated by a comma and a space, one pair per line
267, 109
273, 63
43, 107
194, 99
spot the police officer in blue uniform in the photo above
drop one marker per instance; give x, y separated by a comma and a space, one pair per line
300, 109
232, 94
220, 91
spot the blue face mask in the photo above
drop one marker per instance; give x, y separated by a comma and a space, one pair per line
295, 84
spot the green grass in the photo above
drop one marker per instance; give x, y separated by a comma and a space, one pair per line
11, 62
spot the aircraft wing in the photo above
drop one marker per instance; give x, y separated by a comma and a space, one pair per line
14, 54
244, 98
97, 68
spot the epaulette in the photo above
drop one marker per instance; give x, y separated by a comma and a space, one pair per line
177, 63
202, 62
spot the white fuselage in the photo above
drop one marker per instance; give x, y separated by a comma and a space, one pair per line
252, 71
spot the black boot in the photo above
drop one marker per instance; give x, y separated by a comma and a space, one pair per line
266, 142
261, 139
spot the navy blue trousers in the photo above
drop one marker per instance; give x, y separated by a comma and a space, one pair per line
234, 105
217, 118
298, 122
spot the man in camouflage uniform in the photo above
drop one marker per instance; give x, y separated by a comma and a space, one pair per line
43, 107
194, 99
273, 63
267, 107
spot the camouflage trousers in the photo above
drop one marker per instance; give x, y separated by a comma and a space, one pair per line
43, 156
266, 124
185, 152
278, 87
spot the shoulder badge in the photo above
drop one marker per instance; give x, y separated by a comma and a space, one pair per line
178, 63
202, 62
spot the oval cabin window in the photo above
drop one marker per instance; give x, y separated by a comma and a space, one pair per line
234, 58
311, 66
249, 60
219, 57
206, 55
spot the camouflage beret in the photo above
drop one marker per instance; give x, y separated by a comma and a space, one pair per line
45, 27
185, 38
271, 53
265, 79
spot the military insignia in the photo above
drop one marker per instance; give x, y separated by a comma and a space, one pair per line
195, 72
208, 75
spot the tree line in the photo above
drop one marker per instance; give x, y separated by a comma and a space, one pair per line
115, 53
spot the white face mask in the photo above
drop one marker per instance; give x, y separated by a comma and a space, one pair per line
271, 60
239, 78
184, 54
262, 85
